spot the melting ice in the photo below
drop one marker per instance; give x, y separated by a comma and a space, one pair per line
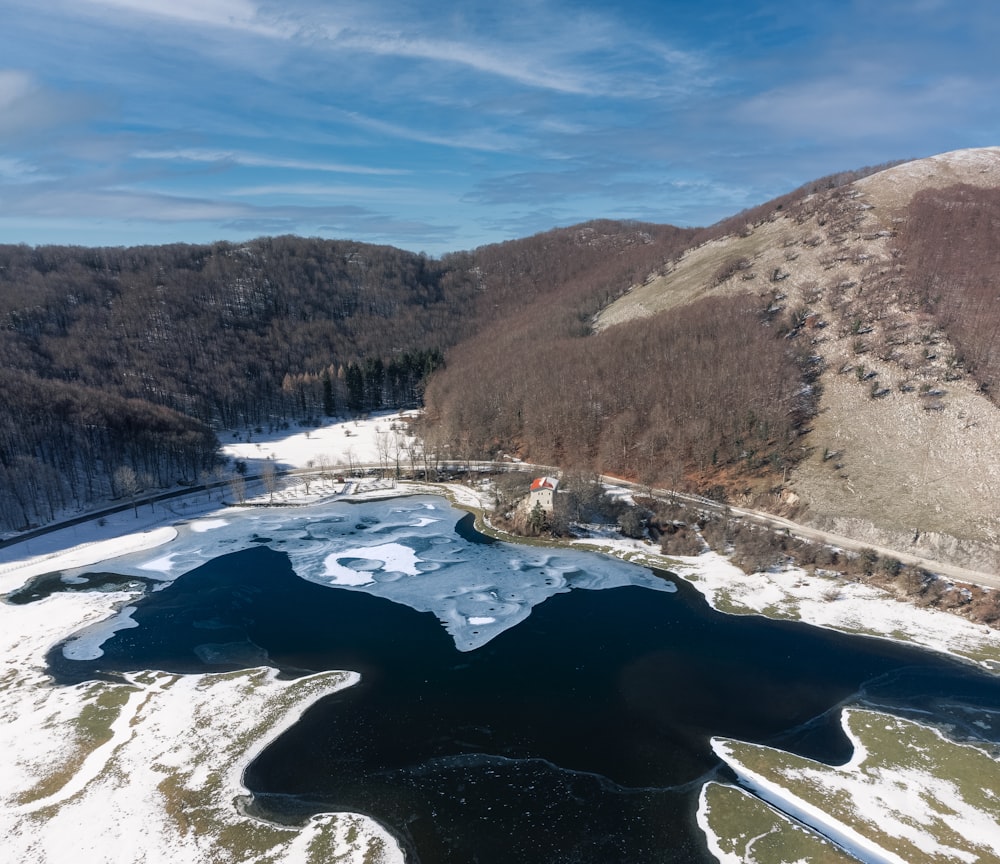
406, 550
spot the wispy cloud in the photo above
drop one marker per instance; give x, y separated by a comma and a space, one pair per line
559, 49
18, 170
229, 14
53, 201
858, 107
314, 190
490, 140
252, 160
501, 61
28, 107
15, 86
235, 115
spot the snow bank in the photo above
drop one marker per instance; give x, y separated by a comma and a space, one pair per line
837, 604
336, 443
14, 573
908, 794
86, 644
151, 768
856, 844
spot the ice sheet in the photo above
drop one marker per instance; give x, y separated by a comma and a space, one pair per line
406, 550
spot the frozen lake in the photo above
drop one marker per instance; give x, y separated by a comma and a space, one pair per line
503, 714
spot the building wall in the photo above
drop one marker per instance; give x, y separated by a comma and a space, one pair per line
543, 497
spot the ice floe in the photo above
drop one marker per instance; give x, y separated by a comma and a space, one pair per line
86, 644
407, 550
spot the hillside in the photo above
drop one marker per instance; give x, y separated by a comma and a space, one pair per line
128, 360
829, 354
885, 280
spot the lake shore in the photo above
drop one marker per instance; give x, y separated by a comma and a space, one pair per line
152, 757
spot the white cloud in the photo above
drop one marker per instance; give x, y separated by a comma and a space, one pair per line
252, 160
857, 107
230, 14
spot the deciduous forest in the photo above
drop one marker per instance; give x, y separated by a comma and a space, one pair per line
119, 366
136, 358
952, 261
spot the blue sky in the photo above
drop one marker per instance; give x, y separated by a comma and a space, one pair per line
442, 126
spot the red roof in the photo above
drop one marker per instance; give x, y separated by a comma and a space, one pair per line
544, 483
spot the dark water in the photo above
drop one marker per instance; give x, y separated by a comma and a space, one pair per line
581, 735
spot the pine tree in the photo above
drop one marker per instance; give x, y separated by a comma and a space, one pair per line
329, 407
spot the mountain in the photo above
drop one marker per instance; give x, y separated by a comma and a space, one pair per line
891, 280
829, 354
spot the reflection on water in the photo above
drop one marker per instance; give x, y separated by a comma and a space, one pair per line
581, 734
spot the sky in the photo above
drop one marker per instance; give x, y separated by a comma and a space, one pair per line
439, 127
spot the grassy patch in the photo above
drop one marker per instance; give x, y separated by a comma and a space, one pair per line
914, 792
724, 601
749, 829
786, 610
88, 731
195, 798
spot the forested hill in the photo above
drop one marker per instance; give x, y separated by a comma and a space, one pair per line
831, 351
131, 358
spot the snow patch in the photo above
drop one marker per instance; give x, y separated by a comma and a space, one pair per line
163, 564
384, 560
833, 603
203, 525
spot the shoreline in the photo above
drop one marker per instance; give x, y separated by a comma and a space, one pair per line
790, 594
54, 617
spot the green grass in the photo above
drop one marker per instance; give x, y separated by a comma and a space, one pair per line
919, 789
102, 705
751, 830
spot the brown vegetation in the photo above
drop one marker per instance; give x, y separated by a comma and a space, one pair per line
131, 357
709, 388
113, 358
793, 202
952, 261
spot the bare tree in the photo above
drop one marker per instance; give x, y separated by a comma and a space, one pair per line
128, 485
269, 476
382, 445
238, 486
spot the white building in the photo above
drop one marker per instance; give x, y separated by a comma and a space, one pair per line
543, 491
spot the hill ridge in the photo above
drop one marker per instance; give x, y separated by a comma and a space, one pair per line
900, 420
